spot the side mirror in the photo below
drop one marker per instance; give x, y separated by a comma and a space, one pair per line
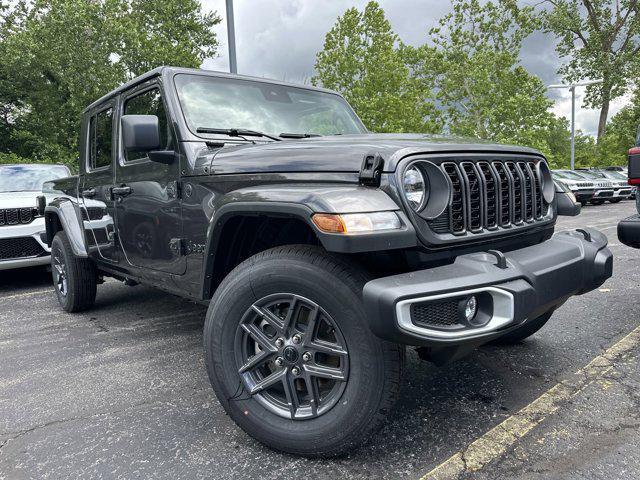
140, 133
41, 203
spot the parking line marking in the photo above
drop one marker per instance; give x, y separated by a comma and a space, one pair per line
499, 439
27, 294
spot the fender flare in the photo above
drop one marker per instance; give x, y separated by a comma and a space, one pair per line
301, 202
69, 217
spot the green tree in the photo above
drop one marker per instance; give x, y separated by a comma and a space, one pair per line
364, 60
57, 56
621, 133
483, 89
601, 41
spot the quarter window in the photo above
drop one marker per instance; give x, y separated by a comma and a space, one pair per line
100, 139
149, 103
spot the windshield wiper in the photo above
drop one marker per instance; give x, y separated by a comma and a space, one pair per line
236, 132
299, 135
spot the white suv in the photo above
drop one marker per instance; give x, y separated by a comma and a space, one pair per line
20, 224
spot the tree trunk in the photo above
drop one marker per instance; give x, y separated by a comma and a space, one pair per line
604, 113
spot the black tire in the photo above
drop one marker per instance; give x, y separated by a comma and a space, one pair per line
597, 202
525, 331
615, 200
374, 366
583, 202
74, 278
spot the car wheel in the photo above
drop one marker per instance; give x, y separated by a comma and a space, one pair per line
597, 202
525, 331
615, 200
74, 278
291, 357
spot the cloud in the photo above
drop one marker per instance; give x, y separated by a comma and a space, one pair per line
280, 38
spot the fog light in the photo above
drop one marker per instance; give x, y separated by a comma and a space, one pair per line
471, 308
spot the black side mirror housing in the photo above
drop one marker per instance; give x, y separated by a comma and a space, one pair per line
140, 132
41, 203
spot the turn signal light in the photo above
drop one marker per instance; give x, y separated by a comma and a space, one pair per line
356, 222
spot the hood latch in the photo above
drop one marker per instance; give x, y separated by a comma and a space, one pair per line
371, 170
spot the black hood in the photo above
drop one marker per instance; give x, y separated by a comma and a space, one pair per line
340, 153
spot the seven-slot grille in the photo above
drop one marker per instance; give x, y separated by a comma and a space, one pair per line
16, 216
487, 195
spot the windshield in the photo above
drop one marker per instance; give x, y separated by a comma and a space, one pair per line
589, 175
22, 178
567, 175
231, 103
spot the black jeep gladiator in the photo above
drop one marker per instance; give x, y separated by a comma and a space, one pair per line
321, 249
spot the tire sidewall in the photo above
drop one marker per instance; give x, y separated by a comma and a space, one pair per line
342, 301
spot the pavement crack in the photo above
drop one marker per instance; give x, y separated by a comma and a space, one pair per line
20, 433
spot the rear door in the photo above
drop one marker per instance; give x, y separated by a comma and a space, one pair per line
148, 207
97, 157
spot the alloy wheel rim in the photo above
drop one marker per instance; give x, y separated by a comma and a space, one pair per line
291, 356
60, 273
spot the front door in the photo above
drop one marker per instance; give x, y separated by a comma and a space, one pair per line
146, 193
97, 206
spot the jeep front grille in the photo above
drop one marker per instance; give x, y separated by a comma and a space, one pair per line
16, 216
487, 195
19, 247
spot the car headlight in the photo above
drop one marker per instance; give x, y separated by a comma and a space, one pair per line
414, 187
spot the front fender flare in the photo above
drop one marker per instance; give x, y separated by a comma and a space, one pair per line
68, 215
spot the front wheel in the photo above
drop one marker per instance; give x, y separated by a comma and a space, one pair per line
616, 200
75, 279
291, 357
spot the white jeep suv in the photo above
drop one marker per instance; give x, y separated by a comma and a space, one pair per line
20, 224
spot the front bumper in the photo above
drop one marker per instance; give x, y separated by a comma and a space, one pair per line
623, 193
603, 194
31, 231
514, 287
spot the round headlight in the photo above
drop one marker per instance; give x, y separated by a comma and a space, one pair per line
414, 187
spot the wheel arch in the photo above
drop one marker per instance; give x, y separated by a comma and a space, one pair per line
64, 214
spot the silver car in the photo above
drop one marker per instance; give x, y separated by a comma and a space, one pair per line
20, 223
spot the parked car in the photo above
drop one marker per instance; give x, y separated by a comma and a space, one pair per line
629, 228
20, 223
582, 189
604, 190
321, 249
621, 188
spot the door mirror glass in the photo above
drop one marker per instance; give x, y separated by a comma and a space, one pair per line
140, 132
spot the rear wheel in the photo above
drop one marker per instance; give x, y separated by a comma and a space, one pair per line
74, 278
291, 357
525, 331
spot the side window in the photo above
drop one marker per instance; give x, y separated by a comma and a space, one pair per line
100, 139
149, 103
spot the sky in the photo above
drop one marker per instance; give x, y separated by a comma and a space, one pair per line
280, 38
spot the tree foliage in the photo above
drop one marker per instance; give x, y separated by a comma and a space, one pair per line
621, 133
57, 56
483, 89
363, 59
599, 39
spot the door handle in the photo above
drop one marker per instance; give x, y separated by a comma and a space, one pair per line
121, 191
89, 193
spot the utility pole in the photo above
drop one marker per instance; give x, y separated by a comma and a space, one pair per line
572, 88
231, 33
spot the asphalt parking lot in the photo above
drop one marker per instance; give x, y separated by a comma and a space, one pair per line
121, 392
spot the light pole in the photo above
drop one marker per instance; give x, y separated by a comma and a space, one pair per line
572, 88
231, 33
